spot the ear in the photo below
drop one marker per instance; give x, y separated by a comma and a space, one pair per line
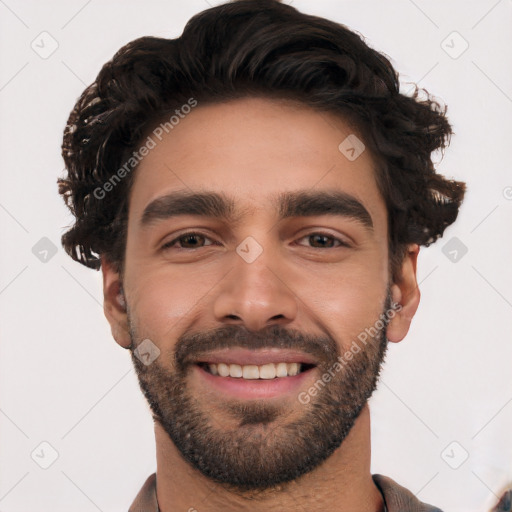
405, 292
114, 304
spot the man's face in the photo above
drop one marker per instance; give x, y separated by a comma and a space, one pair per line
260, 273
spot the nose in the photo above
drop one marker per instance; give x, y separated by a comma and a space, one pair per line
255, 295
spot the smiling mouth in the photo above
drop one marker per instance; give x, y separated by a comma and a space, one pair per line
267, 371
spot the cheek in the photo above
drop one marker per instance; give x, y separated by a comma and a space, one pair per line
348, 300
164, 299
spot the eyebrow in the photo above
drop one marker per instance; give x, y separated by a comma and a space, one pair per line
309, 203
289, 204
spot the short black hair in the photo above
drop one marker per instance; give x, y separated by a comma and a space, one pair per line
254, 48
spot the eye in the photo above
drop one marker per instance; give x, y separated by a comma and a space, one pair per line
324, 241
188, 241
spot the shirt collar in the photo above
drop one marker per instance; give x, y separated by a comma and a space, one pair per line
396, 498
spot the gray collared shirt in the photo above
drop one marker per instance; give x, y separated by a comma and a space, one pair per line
396, 497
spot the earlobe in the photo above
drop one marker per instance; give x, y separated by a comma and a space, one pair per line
114, 304
406, 295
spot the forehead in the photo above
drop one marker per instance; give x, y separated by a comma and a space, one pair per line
252, 151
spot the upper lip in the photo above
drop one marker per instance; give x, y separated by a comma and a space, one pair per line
245, 357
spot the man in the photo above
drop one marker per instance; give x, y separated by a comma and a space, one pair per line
255, 193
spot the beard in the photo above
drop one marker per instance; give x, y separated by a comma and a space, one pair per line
260, 450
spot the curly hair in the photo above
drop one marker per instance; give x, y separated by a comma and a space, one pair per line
254, 48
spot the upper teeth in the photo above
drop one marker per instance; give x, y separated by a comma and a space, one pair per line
251, 371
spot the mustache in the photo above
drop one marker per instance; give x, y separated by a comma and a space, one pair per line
191, 346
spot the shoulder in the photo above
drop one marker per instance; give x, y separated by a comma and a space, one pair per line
400, 499
146, 499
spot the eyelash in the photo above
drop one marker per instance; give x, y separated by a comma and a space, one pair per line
169, 245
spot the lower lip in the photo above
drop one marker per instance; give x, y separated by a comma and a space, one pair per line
254, 388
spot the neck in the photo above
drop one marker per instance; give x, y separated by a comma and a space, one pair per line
342, 482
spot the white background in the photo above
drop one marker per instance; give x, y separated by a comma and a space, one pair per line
63, 380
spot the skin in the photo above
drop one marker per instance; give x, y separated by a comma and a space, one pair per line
250, 150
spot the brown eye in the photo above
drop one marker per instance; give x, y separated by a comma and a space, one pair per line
191, 241
323, 241
188, 241
318, 240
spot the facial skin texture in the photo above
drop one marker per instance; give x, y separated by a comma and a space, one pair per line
311, 294
261, 450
